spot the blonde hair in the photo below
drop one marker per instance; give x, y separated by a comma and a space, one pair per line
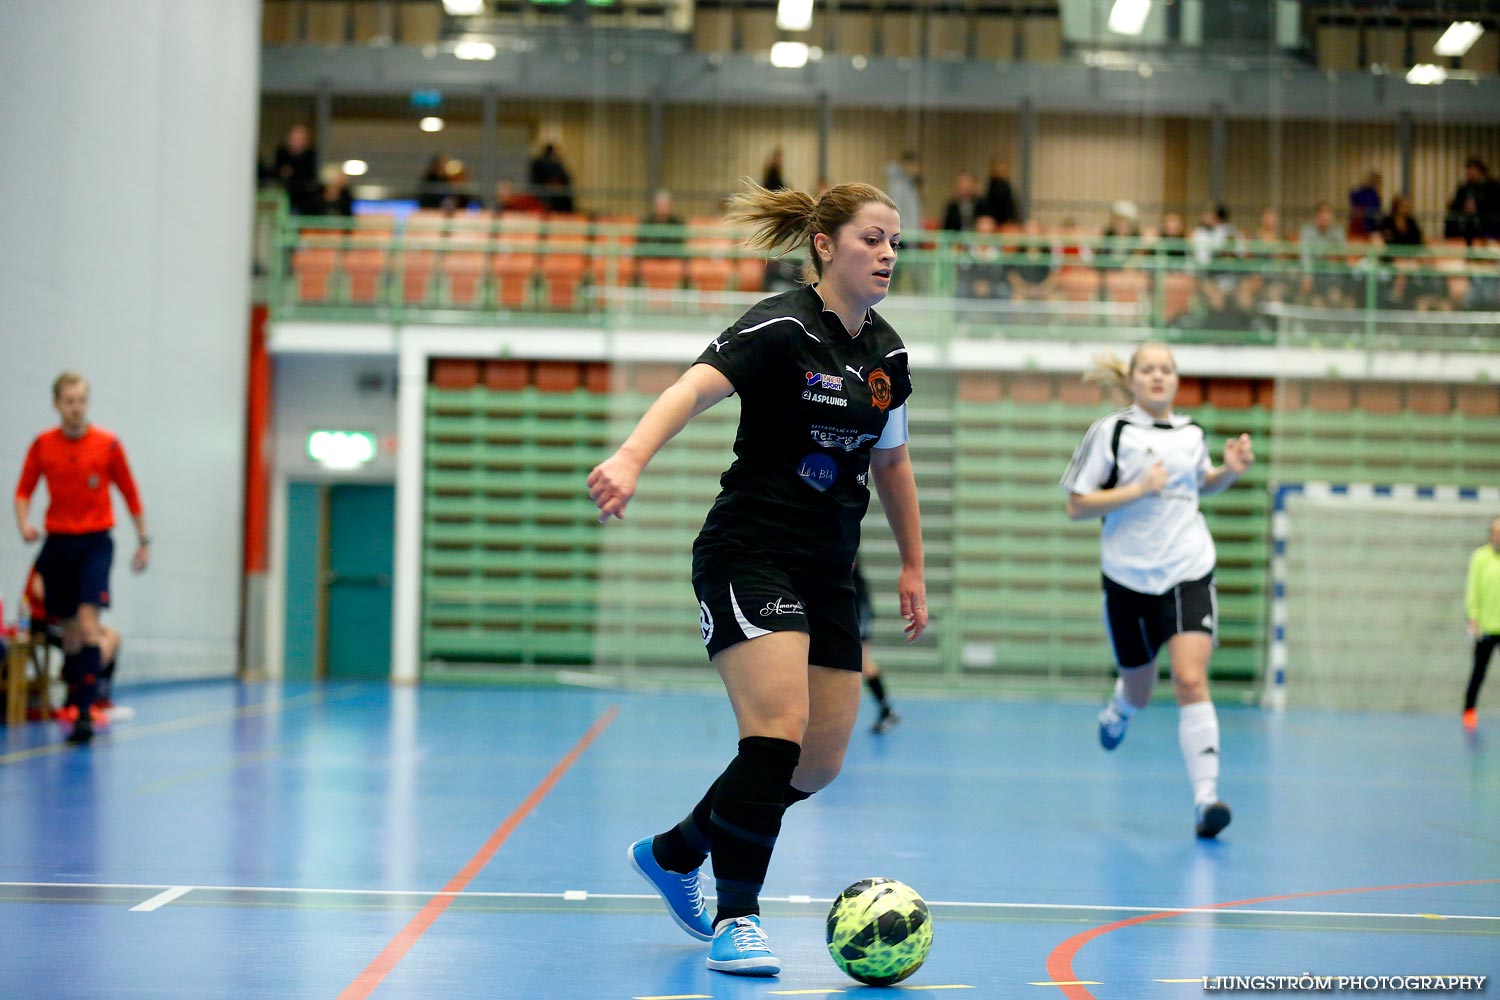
793, 218
1111, 372
64, 381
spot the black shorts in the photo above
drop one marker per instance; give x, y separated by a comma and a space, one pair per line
75, 571
863, 605
1139, 625
744, 596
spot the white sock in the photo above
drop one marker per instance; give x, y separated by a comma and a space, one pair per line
1198, 735
1121, 704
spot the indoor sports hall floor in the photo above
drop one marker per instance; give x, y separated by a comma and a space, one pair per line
360, 841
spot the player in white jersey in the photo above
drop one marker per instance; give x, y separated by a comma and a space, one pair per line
1142, 470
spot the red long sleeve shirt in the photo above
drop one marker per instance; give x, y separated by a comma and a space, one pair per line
78, 471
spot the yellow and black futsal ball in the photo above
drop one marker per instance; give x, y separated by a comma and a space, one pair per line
879, 931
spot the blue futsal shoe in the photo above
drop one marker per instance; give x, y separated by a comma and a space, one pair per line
683, 896
740, 948
1111, 727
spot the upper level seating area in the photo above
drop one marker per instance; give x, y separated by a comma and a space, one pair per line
483, 268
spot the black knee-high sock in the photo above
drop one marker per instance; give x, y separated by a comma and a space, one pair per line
70, 677
746, 819
107, 676
686, 845
877, 688
87, 667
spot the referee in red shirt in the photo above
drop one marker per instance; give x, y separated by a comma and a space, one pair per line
79, 462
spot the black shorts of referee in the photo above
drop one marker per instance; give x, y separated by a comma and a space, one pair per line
744, 595
1139, 625
75, 571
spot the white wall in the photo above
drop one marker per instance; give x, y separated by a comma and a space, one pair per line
126, 185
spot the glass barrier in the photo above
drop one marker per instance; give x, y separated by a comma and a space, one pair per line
623, 273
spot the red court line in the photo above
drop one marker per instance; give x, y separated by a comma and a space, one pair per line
1060, 962
366, 982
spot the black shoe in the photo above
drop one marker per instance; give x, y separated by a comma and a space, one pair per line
887, 721
1212, 818
83, 730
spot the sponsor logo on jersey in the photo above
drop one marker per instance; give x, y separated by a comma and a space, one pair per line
718, 346
818, 470
880, 389
858, 373
780, 607
860, 479
818, 397
94, 482
818, 380
837, 437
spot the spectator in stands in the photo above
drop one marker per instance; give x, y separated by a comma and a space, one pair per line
1474, 211
1121, 233
1172, 235
903, 182
660, 236
999, 199
1269, 231
1031, 279
1482, 609
337, 198
443, 184
507, 199
551, 181
772, 179
1323, 246
1364, 206
1142, 471
1400, 228
965, 206
295, 166
1213, 237
981, 274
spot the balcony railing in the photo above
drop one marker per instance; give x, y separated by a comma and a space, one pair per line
617, 272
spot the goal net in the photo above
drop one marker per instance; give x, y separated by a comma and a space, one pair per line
1368, 594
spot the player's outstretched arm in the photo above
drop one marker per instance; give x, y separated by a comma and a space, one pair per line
612, 482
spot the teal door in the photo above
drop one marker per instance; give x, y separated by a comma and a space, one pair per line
357, 581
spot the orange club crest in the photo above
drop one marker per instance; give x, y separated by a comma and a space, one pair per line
880, 389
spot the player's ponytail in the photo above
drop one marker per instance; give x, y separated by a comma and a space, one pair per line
1110, 372
792, 218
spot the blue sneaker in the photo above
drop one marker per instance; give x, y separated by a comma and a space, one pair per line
1111, 727
740, 948
683, 896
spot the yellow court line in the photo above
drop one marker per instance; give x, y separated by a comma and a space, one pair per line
172, 725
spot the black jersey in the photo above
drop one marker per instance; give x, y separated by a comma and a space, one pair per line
813, 401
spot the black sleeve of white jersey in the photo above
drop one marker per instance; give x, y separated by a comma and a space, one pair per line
744, 353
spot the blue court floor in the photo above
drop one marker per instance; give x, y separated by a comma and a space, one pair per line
352, 841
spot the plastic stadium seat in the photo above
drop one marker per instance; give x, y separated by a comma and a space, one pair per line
562, 274
314, 267
512, 266
365, 270
1177, 295
1126, 285
662, 273
709, 274
749, 274
464, 267
1078, 284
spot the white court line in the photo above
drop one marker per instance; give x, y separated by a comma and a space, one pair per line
430, 893
161, 899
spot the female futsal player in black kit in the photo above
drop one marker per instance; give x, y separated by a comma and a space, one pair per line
823, 383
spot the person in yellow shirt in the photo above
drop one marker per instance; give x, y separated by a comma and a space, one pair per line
1482, 605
